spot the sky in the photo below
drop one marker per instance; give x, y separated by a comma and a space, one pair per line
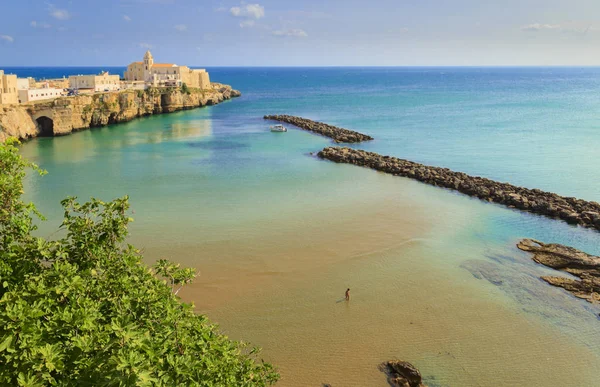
301, 32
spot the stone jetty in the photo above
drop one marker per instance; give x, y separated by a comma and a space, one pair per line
571, 210
570, 260
333, 132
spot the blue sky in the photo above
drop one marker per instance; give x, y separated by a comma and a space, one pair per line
300, 33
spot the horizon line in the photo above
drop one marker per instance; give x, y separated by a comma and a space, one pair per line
319, 66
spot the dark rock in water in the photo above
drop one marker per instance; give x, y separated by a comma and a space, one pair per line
571, 210
570, 260
402, 374
337, 134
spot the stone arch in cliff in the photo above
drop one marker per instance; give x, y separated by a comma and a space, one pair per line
45, 126
112, 118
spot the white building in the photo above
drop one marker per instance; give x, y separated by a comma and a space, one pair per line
94, 83
30, 95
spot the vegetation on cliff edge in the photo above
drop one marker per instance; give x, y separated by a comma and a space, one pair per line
85, 310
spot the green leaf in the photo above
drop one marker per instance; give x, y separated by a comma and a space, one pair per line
6, 343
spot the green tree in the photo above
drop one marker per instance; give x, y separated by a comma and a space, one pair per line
185, 89
84, 309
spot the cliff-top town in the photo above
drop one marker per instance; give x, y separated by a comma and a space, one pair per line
139, 76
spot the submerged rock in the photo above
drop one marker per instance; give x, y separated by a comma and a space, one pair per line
402, 374
484, 270
337, 134
568, 259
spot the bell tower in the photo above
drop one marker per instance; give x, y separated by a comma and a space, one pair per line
148, 63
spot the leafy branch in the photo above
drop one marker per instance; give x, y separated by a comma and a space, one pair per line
175, 275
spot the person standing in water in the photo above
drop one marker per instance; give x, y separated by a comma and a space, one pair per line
348, 294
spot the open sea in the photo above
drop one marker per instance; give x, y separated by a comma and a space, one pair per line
278, 235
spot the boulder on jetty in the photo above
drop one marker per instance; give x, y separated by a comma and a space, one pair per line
568, 259
402, 374
571, 210
337, 134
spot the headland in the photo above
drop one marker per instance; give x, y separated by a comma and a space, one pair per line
56, 107
65, 115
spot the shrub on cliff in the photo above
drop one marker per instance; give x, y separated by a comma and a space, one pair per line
84, 309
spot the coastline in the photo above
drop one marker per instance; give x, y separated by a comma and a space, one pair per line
63, 116
299, 297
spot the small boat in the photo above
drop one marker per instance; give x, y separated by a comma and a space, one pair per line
278, 128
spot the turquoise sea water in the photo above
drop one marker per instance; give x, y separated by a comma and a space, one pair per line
271, 226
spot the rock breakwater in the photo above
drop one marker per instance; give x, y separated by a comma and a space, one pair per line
568, 259
333, 132
65, 115
569, 209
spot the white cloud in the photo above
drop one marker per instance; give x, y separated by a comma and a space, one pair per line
126, 18
295, 32
578, 28
35, 24
247, 24
7, 38
539, 27
252, 11
180, 27
146, 45
574, 28
60, 14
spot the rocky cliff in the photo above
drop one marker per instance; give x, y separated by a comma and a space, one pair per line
65, 115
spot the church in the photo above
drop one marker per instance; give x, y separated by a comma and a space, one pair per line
166, 74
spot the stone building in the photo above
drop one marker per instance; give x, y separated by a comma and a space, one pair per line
25, 83
166, 74
93, 83
8, 89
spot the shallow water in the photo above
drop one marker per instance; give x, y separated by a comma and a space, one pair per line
278, 235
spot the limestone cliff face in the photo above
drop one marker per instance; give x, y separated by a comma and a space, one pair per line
16, 122
64, 115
